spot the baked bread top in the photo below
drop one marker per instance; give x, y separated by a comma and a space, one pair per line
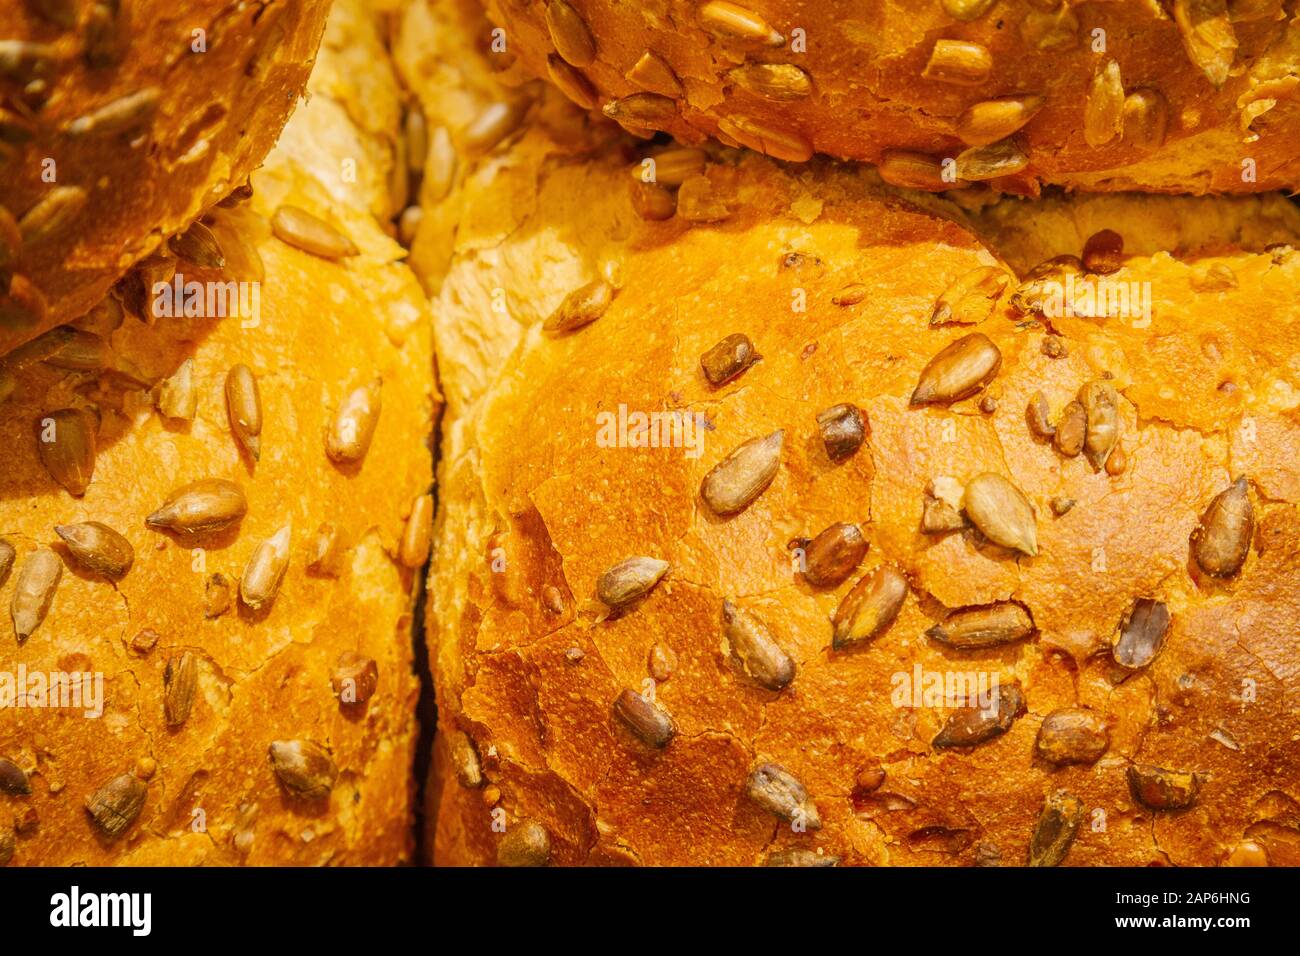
122, 122
1182, 96
553, 474
203, 671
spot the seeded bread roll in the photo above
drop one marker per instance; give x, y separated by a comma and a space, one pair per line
1181, 96
258, 682
712, 638
122, 121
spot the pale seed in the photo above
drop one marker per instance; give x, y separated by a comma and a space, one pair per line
25, 62
13, 780
992, 625
216, 596
580, 307
764, 138
648, 721
1054, 833
960, 370
527, 844
408, 225
1247, 853
975, 725
115, 805
851, 294
98, 547
66, 445
418, 534
781, 82
570, 34
571, 83
180, 681
126, 113
1117, 462
912, 170
773, 788
439, 167
416, 131
754, 650
988, 121
661, 662
1159, 789
349, 436
969, 300
493, 124
647, 110
1003, 158
177, 396
244, 406
1221, 542
800, 857
197, 245
208, 504
959, 62
672, 167
464, 757
1103, 113
834, 554
1072, 735
1061, 505
728, 358
698, 201
843, 429
304, 231
733, 483
966, 10
326, 551
1101, 405
1146, 117
628, 580
53, 213
869, 609
355, 678
1141, 634
1039, 416
304, 767
652, 202
1208, 36
265, 570
1071, 430
1103, 253
652, 73
732, 20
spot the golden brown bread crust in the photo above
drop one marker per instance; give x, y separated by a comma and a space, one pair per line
848, 81
148, 117
325, 327
534, 509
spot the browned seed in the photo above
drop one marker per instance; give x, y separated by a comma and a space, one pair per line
7, 554
1001, 512
13, 780
580, 307
778, 142
439, 166
77, 350
988, 121
178, 398
699, 201
1103, 253
197, 245
754, 649
966, 9
302, 230
1221, 541
773, 788
408, 225
570, 34
733, 483
800, 857
135, 288
115, 805
628, 580
574, 654
912, 170
571, 82
970, 299
1054, 347
126, 113
1117, 462
1159, 789
661, 662
416, 130
1141, 634
1103, 112
988, 404
647, 110
1054, 833
24, 61
672, 167
492, 124
265, 570
464, 757
97, 547
237, 196
851, 294
1071, 430
938, 515
1003, 158
355, 678
1043, 282
959, 62
978, 724
552, 599
1061, 505
418, 534
652, 73
728, 358
66, 445
834, 554
53, 213
843, 429
959, 371
304, 767
732, 20
353, 428
1072, 735
1208, 36
208, 504
326, 551
980, 626
781, 82
652, 202
244, 406
1247, 853
180, 681
869, 609
647, 720
1101, 405
216, 596
526, 844
8, 845
1146, 118
145, 640
1038, 415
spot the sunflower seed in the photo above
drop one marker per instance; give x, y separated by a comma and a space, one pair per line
781, 82
1221, 542
145, 640
180, 681
1062, 505
265, 570
1003, 158
1072, 735
216, 596
98, 548
135, 289
672, 167
54, 212
66, 445
1141, 634
198, 246
493, 124
834, 554
237, 196
417, 535
1117, 462
304, 767
972, 726
731, 20
1159, 789
7, 554
208, 504
628, 580
326, 551
661, 662
464, 757
115, 805
13, 780
527, 844
580, 307
26, 62
1101, 404
355, 678
1208, 36
959, 371
980, 626
1103, 253
698, 201
869, 609
959, 62
988, 121
1039, 416
571, 83
570, 34
1056, 829
1146, 117
733, 483
126, 113
79, 351
728, 358
966, 9
1103, 113
652, 73
647, 720
304, 231
764, 138
938, 516
843, 429
653, 202
800, 857
353, 428
647, 110
851, 294
244, 407
773, 788
1071, 430
177, 396
1001, 512
754, 650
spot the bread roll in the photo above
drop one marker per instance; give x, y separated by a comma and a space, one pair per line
1178, 96
648, 649
257, 679
120, 122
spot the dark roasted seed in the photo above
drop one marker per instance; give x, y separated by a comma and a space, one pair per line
115, 805
1141, 634
843, 428
1159, 789
180, 681
970, 628
1221, 542
98, 548
1061, 505
728, 358
355, 678
65, 442
647, 720
1056, 829
754, 649
972, 726
13, 780
834, 554
1072, 735
197, 245
1103, 253
869, 609
773, 788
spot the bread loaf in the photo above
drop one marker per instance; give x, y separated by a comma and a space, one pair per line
255, 657
120, 122
1176, 96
